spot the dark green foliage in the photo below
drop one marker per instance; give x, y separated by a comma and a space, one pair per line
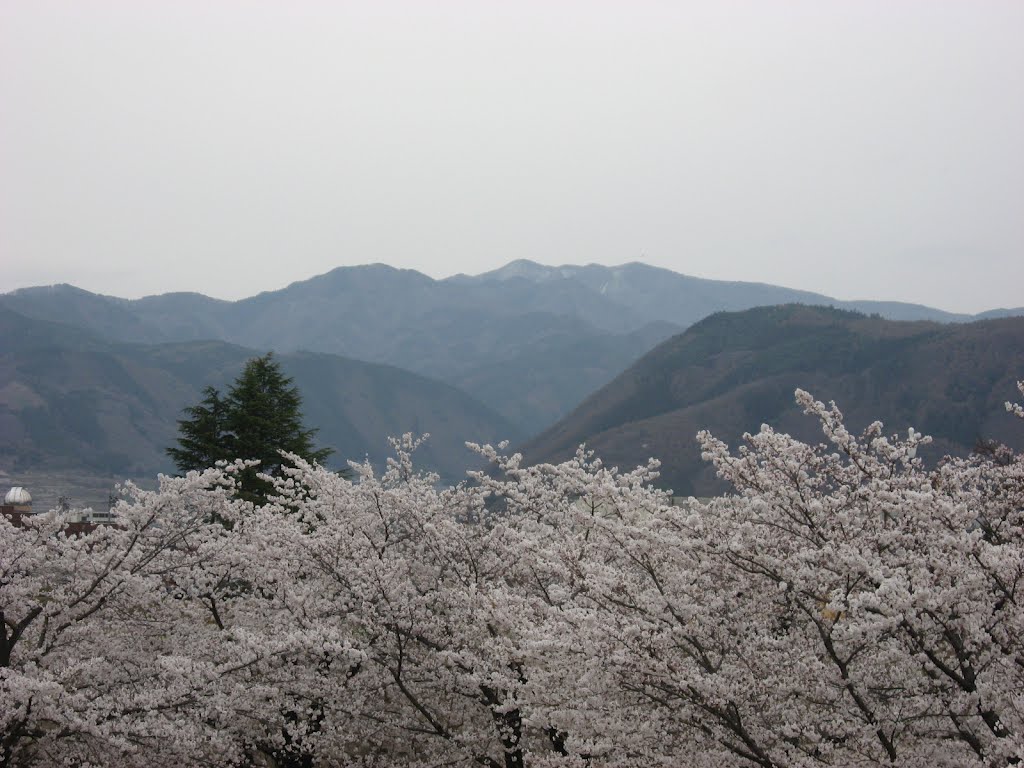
260, 417
203, 435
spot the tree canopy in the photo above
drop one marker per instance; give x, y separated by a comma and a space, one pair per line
846, 605
260, 417
202, 440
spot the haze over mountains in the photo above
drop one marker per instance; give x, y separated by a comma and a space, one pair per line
96, 381
529, 341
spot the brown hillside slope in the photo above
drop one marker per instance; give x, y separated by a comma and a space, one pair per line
734, 371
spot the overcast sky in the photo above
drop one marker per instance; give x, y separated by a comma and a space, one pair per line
860, 149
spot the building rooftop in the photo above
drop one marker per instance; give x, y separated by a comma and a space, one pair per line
18, 496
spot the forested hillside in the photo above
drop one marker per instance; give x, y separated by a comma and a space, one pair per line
734, 371
70, 400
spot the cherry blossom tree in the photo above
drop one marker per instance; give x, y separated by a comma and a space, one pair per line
394, 590
101, 662
844, 605
896, 583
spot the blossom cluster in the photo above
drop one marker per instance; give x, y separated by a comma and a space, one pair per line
845, 605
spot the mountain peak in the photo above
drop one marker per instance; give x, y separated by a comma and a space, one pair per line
529, 270
52, 289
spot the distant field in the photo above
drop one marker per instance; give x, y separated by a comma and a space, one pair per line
82, 490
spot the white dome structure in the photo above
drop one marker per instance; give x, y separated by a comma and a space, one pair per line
18, 497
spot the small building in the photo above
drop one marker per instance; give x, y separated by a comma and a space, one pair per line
17, 509
19, 499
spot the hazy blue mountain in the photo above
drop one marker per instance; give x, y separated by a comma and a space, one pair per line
1002, 312
582, 360
663, 295
732, 372
182, 316
482, 338
897, 310
530, 341
655, 294
107, 316
71, 400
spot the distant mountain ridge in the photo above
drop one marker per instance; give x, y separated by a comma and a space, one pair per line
528, 340
71, 400
733, 371
655, 293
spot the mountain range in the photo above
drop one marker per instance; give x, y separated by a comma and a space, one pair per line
72, 400
96, 383
733, 371
527, 340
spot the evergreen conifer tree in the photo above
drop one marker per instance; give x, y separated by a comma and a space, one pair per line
202, 439
259, 417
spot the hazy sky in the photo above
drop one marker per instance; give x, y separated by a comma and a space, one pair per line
861, 149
